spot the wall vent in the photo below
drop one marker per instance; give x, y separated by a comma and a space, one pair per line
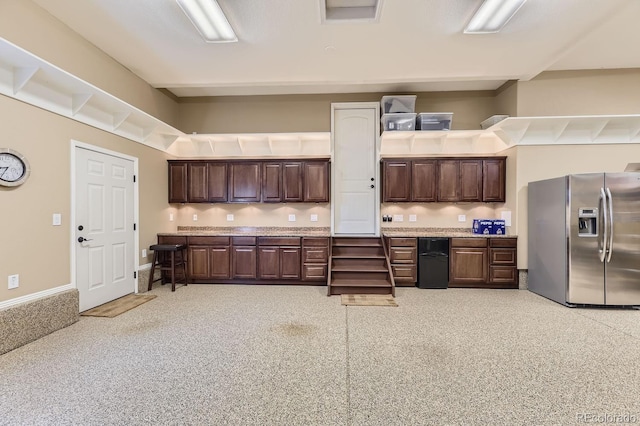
350, 10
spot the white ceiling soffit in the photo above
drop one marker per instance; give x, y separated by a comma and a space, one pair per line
336, 11
284, 48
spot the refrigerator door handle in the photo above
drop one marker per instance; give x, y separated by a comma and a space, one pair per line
610, 242
602, 243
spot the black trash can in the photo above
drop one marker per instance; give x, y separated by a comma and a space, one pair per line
433, 263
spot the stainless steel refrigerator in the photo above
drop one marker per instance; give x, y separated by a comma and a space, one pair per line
584, 239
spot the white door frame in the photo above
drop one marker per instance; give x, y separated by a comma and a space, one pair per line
354, 105
136, 262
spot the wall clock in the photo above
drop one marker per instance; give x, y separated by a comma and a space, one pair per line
14, 168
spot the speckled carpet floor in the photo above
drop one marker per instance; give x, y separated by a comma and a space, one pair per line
278, 355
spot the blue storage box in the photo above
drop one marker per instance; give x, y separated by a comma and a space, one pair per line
489, 226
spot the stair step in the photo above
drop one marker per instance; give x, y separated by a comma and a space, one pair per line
358, 268
360, 290
356, 242
360, 275
361, 251
359, 283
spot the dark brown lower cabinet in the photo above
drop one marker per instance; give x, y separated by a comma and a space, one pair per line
403, 255
315, 258
243, 259
483, 262
210, 258
279, 258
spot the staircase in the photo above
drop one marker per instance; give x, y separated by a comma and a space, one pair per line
359, 265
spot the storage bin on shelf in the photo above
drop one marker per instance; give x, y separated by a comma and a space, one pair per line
398, 104
434, 121
494, 119
403, 122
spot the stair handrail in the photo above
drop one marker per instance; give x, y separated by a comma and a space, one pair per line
388, 263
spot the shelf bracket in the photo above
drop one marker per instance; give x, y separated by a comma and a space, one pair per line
78, 100
21, 76
119, 118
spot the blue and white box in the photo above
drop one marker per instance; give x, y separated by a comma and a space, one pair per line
489, 226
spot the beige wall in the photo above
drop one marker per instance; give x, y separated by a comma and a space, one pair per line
507, 99
31, 246
28, 26
312, 113
580, 93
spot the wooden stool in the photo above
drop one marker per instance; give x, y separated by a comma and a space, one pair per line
160, 254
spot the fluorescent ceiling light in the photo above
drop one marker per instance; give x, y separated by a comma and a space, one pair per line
492, 16
209, 19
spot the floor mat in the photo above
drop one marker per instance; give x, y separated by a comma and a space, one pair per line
118, 306
368, 300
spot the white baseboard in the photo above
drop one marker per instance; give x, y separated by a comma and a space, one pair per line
35, 296
144, 267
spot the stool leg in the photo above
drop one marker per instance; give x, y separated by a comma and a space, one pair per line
184, 266
173, 271
153, 270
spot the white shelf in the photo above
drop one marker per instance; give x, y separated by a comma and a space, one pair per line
453, 142
30, 79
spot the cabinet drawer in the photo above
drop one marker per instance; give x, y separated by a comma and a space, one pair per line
469, 242
171, 239
208, 241
503, 274
403, 242
503, 242
315, 254
279, 241
315, 241
502, 256
404, 273
244, 241
314, 272
402, 255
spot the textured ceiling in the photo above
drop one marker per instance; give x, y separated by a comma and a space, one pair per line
417, 45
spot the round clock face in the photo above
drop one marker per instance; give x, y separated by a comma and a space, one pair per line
14, 168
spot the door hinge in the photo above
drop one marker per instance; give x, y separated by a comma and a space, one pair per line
134, 178
135, 274
134, 226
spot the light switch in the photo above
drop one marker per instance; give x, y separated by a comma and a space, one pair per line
144, 252
230, 218
170, 217
413, 218
398, 217
195, 217
57, 219
292, 218
313, 218
462, 218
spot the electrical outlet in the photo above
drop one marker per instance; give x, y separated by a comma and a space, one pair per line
292, 218
398, 217
170, 217
57, 219
462, 218
144, 252
195, 217
313, 218
413, 218
230, 218
13, 281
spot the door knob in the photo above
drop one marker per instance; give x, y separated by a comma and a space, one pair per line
82, 239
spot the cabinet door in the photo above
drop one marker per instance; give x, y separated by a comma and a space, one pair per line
220, 262
292, 182
468, 266
244, 262
177, 182
423, 180
470, 180
290, 262
244, 182
448, 180
199, 262
197, 188
493, 180
396, 184
217, 176
316, 181
268, 263
272, 182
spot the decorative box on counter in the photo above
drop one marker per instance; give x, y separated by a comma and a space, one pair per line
489, 226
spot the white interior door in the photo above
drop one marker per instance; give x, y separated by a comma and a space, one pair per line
355, 196
104, 219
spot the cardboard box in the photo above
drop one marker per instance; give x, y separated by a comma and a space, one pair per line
489, 226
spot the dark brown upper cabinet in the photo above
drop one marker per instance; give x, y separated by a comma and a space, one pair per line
470, 180
244, 182
316, 182
198, 183
493, 180
449, 180
178, 182
396, 183
292, 182
217, 177
423, 180
272, 182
